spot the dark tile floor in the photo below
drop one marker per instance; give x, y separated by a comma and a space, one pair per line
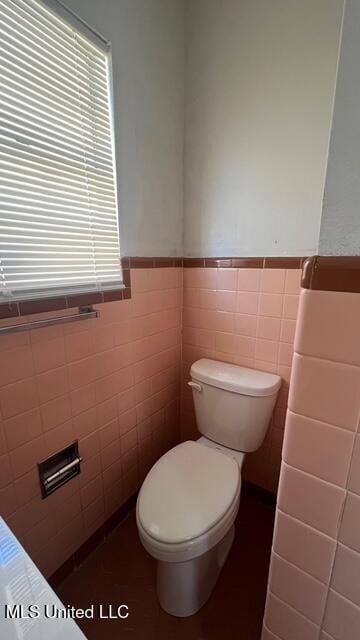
120, 571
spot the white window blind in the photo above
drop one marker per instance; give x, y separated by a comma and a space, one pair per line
58, 208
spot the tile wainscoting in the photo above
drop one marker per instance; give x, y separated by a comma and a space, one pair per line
113, 384
313, 591
245, 316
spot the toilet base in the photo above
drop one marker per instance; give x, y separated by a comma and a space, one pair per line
184, 587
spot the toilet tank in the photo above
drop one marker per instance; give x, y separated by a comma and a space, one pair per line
233, 404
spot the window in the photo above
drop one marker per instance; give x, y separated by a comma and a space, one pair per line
58, 209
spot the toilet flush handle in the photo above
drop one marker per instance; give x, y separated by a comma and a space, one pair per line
195, 385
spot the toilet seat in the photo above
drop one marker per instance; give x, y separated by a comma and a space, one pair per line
188, 501
190, 549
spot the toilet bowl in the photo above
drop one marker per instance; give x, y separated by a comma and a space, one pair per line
185, 516
189, 500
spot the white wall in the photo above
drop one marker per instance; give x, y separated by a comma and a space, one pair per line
259, 85
147, 39
340, 224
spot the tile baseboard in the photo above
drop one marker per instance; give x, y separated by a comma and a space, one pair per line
95, 540
100, 535
261, 494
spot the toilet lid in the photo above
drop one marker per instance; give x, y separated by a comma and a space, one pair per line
187, 492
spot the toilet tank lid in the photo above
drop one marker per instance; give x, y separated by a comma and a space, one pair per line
231, 377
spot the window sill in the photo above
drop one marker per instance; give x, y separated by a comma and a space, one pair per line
42, 305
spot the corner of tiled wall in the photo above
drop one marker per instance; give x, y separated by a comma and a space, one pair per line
247, 317
313, 591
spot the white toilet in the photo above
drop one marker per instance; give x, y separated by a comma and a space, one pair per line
190, 498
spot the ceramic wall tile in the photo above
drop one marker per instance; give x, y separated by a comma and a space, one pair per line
78, 382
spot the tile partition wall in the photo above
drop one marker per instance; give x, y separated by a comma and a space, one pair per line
245, 316
315, 568
112, 383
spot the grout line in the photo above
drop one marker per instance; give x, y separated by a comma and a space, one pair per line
328, 424
293, 609
311, 475
305, 524
328, 360
341, 514
276, 553
272, 633
340, 595
336, 426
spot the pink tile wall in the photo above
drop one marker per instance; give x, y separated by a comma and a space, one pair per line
112, 383
314, 579
247, 317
